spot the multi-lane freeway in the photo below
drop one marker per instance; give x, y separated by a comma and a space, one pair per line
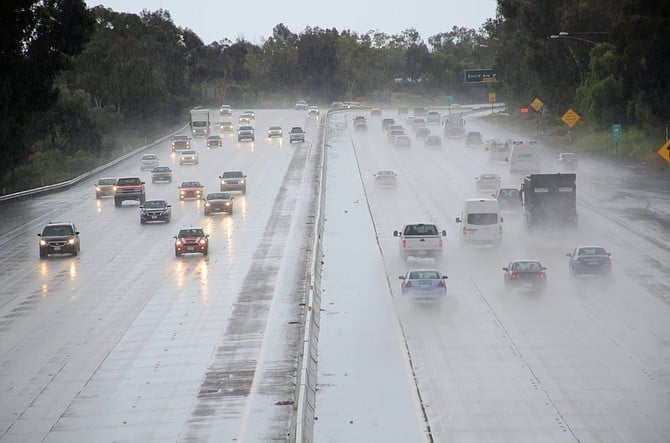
127, 342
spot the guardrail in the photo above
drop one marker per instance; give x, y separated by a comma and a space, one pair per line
29, 193
306, 383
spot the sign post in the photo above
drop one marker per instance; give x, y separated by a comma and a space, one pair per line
449, 100
492, 100
616, 138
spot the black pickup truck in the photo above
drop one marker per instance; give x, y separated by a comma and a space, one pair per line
549, 199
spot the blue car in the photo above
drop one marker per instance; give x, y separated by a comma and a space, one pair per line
589, 260
423, 283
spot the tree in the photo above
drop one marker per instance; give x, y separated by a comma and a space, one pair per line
36, 40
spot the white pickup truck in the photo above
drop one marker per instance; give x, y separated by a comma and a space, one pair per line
420, 240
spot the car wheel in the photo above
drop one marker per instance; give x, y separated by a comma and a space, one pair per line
117, 202
43, 254
177, 253
75, 252
205, 252
206, 213
142, 221
97, 196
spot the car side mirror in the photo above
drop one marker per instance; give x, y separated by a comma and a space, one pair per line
502, 219
445, 277
402, 277
458, 219
505, 269
609, 254
396, 233
569, 254
444, 233
543, 268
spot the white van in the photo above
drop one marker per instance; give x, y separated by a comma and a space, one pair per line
481, 220
524, 158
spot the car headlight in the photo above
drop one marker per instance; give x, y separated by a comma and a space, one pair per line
223, 182
177, 243
203, 241
208, 204
43, 242
227, 203
70, 241
241, 182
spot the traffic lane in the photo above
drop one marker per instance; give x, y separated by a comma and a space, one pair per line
110, 252
554, 261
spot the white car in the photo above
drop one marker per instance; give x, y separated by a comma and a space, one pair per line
148, 161
301, 105
226, 110
489, 181
188, 158
313, 111
386, 177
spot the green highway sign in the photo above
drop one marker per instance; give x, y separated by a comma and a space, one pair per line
449, 99
616, 132
480, 76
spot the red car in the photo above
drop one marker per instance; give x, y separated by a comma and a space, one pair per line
192, 189
191, 240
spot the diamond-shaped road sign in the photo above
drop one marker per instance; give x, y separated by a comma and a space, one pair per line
665, 151
537, 104
570, 117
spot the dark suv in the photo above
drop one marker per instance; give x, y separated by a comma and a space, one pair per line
59, 238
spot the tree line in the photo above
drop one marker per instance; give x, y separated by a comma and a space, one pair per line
78, 83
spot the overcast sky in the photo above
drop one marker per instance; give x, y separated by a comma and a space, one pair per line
214, 20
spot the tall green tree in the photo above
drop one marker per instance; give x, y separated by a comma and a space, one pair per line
36, 39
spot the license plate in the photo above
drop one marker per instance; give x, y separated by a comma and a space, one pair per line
154, 217
425, 285
56, 248
190, 248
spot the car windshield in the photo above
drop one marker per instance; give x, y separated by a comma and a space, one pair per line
128, 181
233, 174
180, 137
218, 196
421, 230
509, 193
155, 204
424, 275
592, 251
187, 153
51, 231
106, 181
483, 218
149, 157
161, 169
191, 185
192, 232
531, 266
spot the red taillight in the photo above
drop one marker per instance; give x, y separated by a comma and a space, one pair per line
404, 243
441, 284
541, 276
465, 231
440, 243
607, 260
514, 276
408, 285
578, 260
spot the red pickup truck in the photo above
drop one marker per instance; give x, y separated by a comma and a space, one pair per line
129, 188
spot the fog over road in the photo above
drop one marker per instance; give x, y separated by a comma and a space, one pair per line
126, 342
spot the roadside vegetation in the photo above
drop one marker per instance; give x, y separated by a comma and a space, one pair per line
81, 86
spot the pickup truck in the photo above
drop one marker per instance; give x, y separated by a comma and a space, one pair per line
420, 240
296, 135
129, 188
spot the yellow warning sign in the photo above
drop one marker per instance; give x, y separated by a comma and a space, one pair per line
570, 117
492, 97
665, 151
537, 104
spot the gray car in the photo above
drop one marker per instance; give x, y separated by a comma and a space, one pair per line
233, 181
217, 202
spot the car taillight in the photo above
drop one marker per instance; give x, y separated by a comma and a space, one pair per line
541, 276
578, 260
409, 284
465, 231
440, 243
514, 276
404, 243
441, 284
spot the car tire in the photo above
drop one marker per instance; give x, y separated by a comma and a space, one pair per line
143, 199
75, 252
142, 221
177, 253
117, 202
205, 252
43, 254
